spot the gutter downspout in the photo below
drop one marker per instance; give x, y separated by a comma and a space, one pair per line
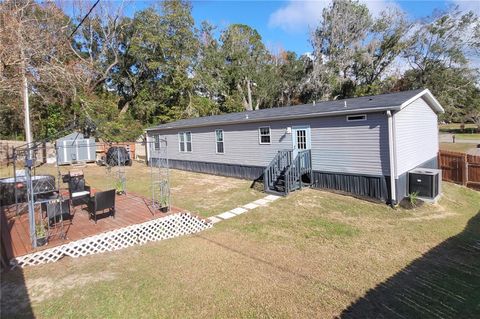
147, 149
391, 152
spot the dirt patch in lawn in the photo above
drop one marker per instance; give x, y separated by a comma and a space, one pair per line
436, 212
208, 183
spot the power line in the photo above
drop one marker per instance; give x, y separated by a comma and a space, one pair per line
86, 16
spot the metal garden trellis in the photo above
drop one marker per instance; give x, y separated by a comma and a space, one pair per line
29, 154
159, 172
116, 168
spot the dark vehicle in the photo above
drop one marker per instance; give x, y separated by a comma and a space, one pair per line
118, 156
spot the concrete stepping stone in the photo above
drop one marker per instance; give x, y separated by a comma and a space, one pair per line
271, 198
245, 208
250, 206
226, 215
239, 210
214, 219
261, 202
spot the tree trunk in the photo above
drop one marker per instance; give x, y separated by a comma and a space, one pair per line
190, 110
244, 100
26, 105
125, 107
249, 92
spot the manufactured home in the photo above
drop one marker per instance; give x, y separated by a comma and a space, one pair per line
354, 145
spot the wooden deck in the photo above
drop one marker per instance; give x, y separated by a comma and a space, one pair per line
130, 209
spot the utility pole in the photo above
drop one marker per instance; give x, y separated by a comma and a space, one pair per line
26, 105
28, 137
24, 85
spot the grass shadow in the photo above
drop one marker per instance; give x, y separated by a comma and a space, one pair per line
443, 283
14, 298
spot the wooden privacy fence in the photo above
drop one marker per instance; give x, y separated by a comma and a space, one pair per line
6, 151
103, 147
460, 168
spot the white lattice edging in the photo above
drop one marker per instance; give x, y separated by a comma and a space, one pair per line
157, 229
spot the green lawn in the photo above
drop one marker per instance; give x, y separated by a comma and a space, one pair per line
467, 136
457, 147
313, 254
455, 127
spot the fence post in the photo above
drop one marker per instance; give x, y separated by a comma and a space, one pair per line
465, 170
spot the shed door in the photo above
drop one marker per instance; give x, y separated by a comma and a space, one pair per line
69, 151
301, 139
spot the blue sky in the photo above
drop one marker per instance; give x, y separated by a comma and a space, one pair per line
287, 24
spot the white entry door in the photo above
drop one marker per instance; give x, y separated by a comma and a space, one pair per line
301, 139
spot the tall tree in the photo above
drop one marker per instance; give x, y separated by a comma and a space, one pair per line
291, 71
97, 41
35, 60
353, 51
210, 71
245, 54
155, 74
336, 41
439, 59
179, 51
385, 42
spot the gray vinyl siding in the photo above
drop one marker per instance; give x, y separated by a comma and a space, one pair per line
416, 134
337, 145
351, 147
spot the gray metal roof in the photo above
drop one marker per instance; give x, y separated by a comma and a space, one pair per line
376, 103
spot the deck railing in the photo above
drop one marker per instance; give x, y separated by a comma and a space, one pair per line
301, 165
291, 170
281, 161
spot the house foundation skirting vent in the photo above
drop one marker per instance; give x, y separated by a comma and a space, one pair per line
154, 230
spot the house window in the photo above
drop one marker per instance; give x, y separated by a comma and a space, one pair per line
156, 142
219, 141
264, 135
354, 118
185, 141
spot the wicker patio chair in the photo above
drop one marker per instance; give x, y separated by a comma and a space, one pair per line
100, 202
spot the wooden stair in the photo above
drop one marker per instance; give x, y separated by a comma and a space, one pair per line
285, 175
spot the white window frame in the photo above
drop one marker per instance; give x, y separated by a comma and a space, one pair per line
180, 142
185, 142
260, 135
216, 141
349, 117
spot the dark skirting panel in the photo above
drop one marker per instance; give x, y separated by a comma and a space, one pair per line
363, 186
230, 170
360, 185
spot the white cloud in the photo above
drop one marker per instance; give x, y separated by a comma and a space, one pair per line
297, 15
300, 15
